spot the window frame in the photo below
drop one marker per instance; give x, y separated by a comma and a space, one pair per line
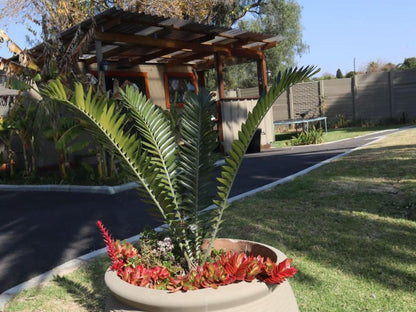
179, 75
123, 74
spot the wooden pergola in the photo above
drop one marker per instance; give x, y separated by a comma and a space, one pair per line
135, 38
127, 41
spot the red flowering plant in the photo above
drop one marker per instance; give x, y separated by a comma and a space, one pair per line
171, 154
221, 269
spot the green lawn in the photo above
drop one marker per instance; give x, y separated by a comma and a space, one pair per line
350, 227
283, 139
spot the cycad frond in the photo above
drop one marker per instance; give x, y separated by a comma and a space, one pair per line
159, 141
198, 144
197, 159
109, 125
248, 128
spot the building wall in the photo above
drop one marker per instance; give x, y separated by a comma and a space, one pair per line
155, 79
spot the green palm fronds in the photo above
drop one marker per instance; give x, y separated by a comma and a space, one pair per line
197, 160
239, 147
109, 126
172, 155
159, 142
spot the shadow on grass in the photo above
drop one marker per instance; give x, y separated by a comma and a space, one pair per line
91, 298
354, 215
362, 244
307, 279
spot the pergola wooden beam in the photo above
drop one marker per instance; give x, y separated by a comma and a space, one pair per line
177, 44
154, 55
107, 54
184, 27
262, 75
138, 36
159, 43
219, 66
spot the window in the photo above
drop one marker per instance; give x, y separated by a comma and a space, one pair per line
176, 86
116, 79
121, 79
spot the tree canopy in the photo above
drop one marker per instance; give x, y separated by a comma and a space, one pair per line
408, 63
61, 14
379, 66
280, 17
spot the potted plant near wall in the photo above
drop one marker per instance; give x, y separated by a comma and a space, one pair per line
171, 155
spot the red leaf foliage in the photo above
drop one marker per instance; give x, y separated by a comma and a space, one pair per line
231, 267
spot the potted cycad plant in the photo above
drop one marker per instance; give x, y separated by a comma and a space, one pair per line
171, 155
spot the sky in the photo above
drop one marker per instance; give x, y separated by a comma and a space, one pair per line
339, 32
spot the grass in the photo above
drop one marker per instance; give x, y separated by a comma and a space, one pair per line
81, 291
350, 227
283, 139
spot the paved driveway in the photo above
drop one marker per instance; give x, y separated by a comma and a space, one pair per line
41, 230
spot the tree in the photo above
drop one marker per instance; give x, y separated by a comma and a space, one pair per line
339, 74
281, 17
61, 14
351, 74
271, 16
379, 66
408, 63
326, 76
373, 67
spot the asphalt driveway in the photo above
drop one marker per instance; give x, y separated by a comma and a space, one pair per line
41, 230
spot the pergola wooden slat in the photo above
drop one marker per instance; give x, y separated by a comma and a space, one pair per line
124, 39
142, 37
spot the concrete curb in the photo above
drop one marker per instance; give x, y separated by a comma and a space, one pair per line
82, 260
71, 188
93, 189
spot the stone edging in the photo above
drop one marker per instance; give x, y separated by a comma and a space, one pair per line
105, 189
93, 189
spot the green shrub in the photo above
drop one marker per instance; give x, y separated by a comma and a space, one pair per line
314, 136
341, 121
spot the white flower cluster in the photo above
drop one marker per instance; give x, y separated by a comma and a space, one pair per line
165, 246
193, 228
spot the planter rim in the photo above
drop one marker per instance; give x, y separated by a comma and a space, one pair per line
194, 300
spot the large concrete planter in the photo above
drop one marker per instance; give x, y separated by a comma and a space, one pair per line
243, 296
